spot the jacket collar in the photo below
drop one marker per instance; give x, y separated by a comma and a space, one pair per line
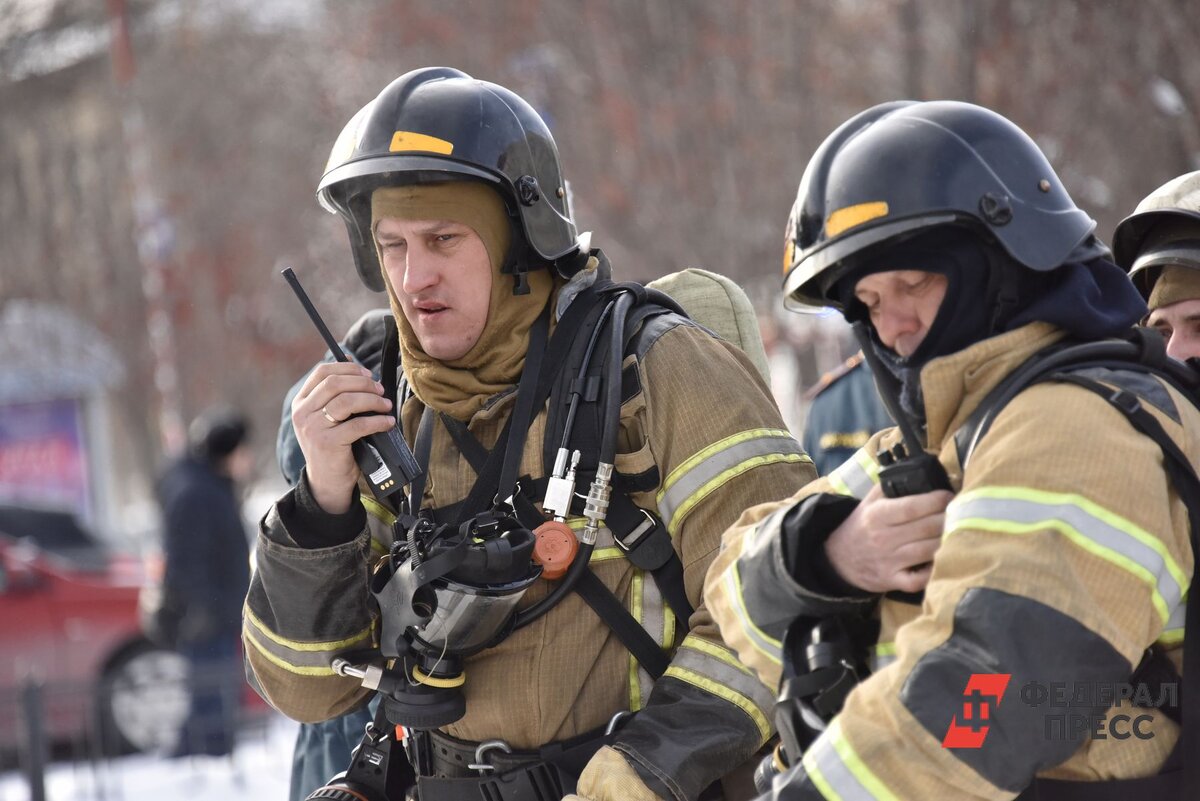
955, 385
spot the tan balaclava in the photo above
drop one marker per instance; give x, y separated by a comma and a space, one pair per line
461, 387
1176, 282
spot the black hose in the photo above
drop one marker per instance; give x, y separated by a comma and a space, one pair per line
587, 361
612, 401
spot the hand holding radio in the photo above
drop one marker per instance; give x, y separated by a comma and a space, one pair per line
339, 404
888, 543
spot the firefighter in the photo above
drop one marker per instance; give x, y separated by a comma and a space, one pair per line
456, 207
1159, 244
1058, 557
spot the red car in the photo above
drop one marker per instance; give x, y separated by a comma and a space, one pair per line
69, 622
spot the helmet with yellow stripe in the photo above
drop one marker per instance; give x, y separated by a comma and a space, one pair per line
902, 168
440, 124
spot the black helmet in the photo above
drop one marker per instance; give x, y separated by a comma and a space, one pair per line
439, 124
904, 167
1164, 229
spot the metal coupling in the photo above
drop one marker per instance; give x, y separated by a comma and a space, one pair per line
596, 506
370, 675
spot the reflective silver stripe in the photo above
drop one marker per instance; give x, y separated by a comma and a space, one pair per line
648, 609
1018, 510
838, 773
856, 475
766, 645
1178, 618
681, 492
726, 671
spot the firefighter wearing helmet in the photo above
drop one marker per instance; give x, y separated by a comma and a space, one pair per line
1016, 533
528, 610
1159, 244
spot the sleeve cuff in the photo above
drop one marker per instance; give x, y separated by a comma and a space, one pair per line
806, 527
310, 526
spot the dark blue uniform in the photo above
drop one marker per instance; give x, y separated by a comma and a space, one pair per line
845, 412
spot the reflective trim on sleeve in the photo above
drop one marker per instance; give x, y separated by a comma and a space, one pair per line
882, 655
707, 470
855, 476
838, 772
304, 658
703, 664
1172, 633
768, 646
1021, 510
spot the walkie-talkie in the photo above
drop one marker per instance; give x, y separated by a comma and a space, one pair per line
385, 459
907, 469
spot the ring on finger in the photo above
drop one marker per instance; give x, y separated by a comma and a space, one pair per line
329, 416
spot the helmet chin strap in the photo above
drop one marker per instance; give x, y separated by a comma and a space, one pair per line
1003, 291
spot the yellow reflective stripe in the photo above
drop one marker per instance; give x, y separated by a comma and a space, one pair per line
275, 660
1170, 637
706, 470
699, 456
838, 771
730, 695
717, 481
855, 476
606, 554
768, 646
297, 645
635, 609
883, 655
377, 510
1172, 633
709, 647
1099, 531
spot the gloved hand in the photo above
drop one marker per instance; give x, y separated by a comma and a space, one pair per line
609, 777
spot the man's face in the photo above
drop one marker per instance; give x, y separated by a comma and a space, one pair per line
1179, 323
442, 276
903, 305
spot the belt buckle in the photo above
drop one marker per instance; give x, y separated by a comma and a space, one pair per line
482, 749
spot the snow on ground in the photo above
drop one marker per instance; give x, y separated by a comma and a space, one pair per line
259, 769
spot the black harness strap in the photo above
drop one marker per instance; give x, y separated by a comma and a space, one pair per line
647, 543
600, 598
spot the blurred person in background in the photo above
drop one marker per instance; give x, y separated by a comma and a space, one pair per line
452, 194
207, 571
1159, 244
844, 411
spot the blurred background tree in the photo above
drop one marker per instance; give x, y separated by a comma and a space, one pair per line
159, 157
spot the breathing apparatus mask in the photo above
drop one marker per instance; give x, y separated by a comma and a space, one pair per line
448, 591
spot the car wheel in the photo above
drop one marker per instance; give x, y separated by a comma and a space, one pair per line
143, 700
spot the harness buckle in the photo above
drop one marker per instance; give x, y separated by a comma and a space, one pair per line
634, 538
482, 749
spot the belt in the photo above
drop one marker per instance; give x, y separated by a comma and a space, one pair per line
452, 769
